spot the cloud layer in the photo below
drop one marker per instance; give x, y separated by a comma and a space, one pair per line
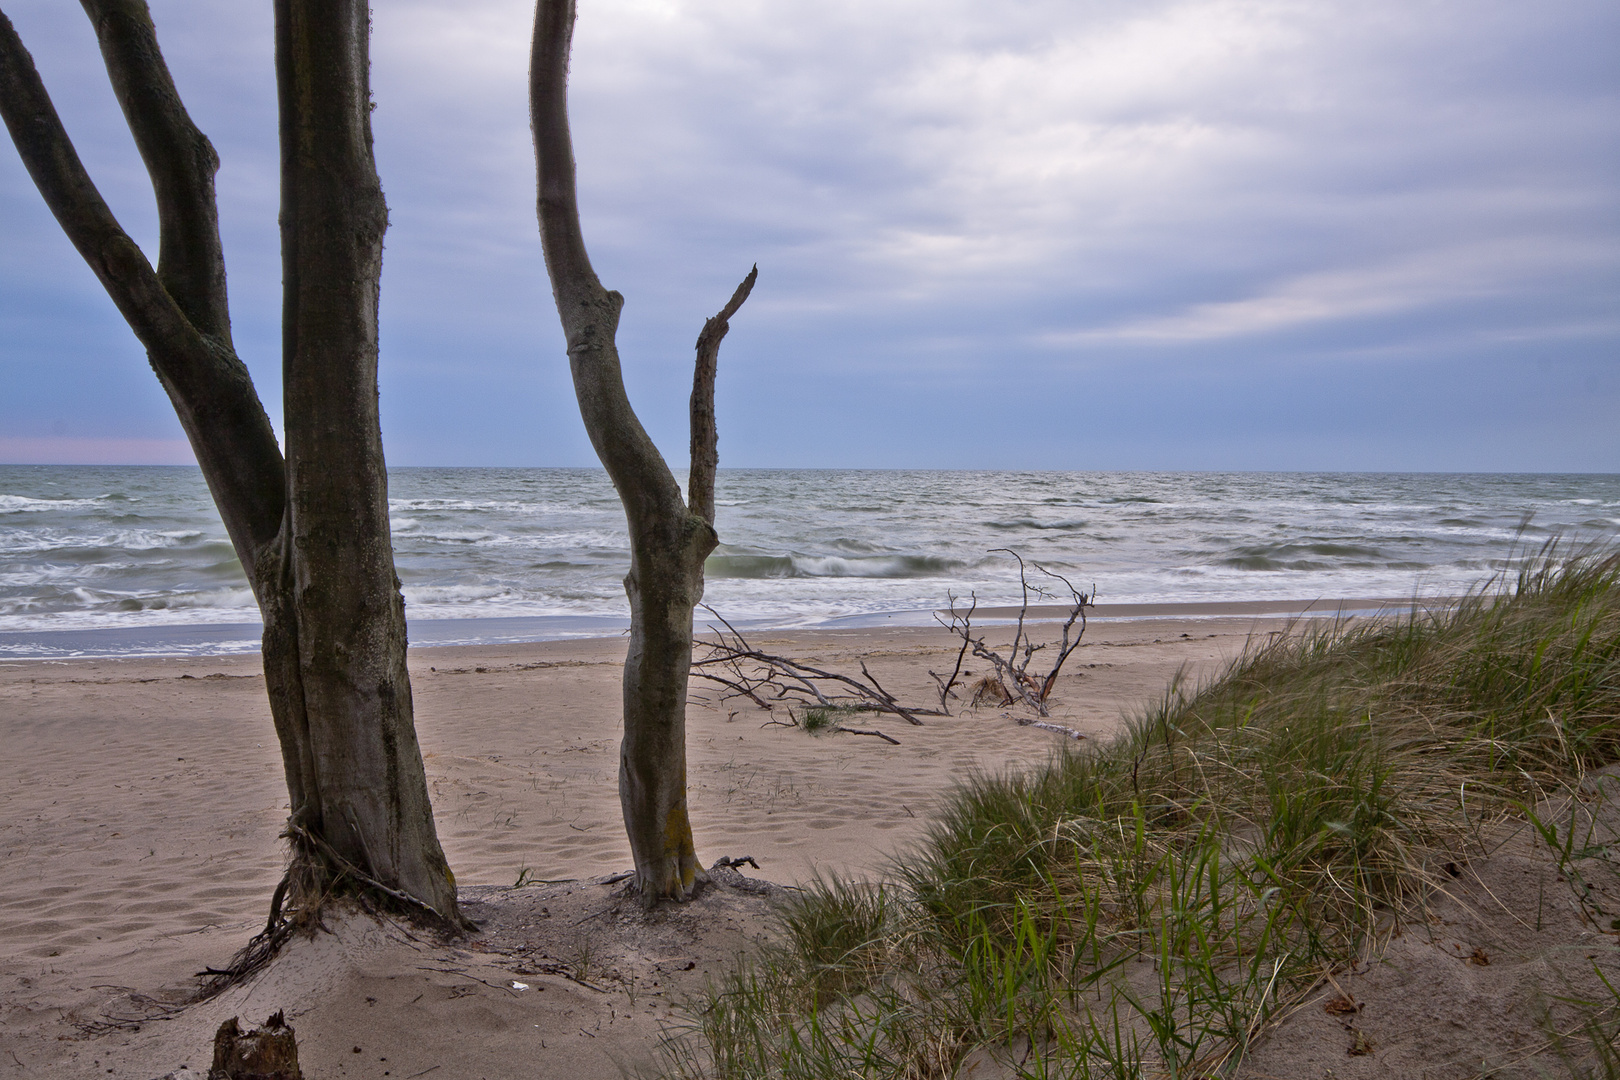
1205, 234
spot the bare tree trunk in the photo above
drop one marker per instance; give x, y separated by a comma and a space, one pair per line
312, 538
371, 802
669, 537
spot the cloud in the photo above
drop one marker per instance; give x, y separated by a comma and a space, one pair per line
1424, 280
941, 196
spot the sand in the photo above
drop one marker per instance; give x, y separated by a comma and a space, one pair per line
140, 802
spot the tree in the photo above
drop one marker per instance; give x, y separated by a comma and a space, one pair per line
310, 529
669, 537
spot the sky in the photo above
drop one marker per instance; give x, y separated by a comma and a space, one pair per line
1049, 234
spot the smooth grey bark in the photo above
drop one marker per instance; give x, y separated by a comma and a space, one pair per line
311, 530
669, 537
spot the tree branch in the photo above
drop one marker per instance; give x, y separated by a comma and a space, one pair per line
210, 387
54, 164
179, 158
946, 685
589, 312
705, 437
572, 278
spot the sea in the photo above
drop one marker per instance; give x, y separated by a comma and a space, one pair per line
133, 560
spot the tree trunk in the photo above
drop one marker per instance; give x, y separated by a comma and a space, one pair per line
367, 797
669, 537
312, 532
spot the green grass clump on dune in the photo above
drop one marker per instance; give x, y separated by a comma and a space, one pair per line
1244, 836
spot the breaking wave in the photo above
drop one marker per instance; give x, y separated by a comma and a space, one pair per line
829, 566
88, 547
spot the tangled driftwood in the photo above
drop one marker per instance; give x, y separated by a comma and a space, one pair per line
770, 681
767, 680
1012, 680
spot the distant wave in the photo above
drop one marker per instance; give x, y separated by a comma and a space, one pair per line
1031, 523
828, 566
86, 606
90, 546
22, 504
1321, 555
17, 541
483, 506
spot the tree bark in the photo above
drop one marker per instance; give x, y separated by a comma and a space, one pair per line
372, 806
670, 537
354, 775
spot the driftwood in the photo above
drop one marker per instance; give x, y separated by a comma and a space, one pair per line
1012, 680
769, 681
742, 671
890, 739
1044, 726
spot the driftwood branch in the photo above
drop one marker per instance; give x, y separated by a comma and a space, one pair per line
769, 680
1012, 680
869, 731
946, 685
1045, 726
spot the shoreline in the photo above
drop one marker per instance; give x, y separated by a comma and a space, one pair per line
175, 640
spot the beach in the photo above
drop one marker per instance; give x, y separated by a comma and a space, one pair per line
143, 797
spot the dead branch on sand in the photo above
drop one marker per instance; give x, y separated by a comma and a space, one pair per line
1012, 680
769, 680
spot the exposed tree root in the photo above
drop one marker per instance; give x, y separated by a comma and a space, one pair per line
317, 876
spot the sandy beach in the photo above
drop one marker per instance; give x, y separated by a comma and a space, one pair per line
142, 799
140, 802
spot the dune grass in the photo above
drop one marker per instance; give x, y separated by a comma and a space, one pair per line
1147, 906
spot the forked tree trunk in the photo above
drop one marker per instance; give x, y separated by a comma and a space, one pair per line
669, 537
311, 532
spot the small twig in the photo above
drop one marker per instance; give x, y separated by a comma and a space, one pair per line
465, 974
866, 731
967, 638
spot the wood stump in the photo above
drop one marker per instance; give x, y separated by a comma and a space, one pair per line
266, 1053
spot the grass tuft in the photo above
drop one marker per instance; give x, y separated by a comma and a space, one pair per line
818, 719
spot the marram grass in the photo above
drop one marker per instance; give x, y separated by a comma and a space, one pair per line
1145, 907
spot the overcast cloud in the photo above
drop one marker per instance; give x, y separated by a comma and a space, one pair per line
1201, 235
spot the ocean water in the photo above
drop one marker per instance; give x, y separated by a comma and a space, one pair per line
134, 559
